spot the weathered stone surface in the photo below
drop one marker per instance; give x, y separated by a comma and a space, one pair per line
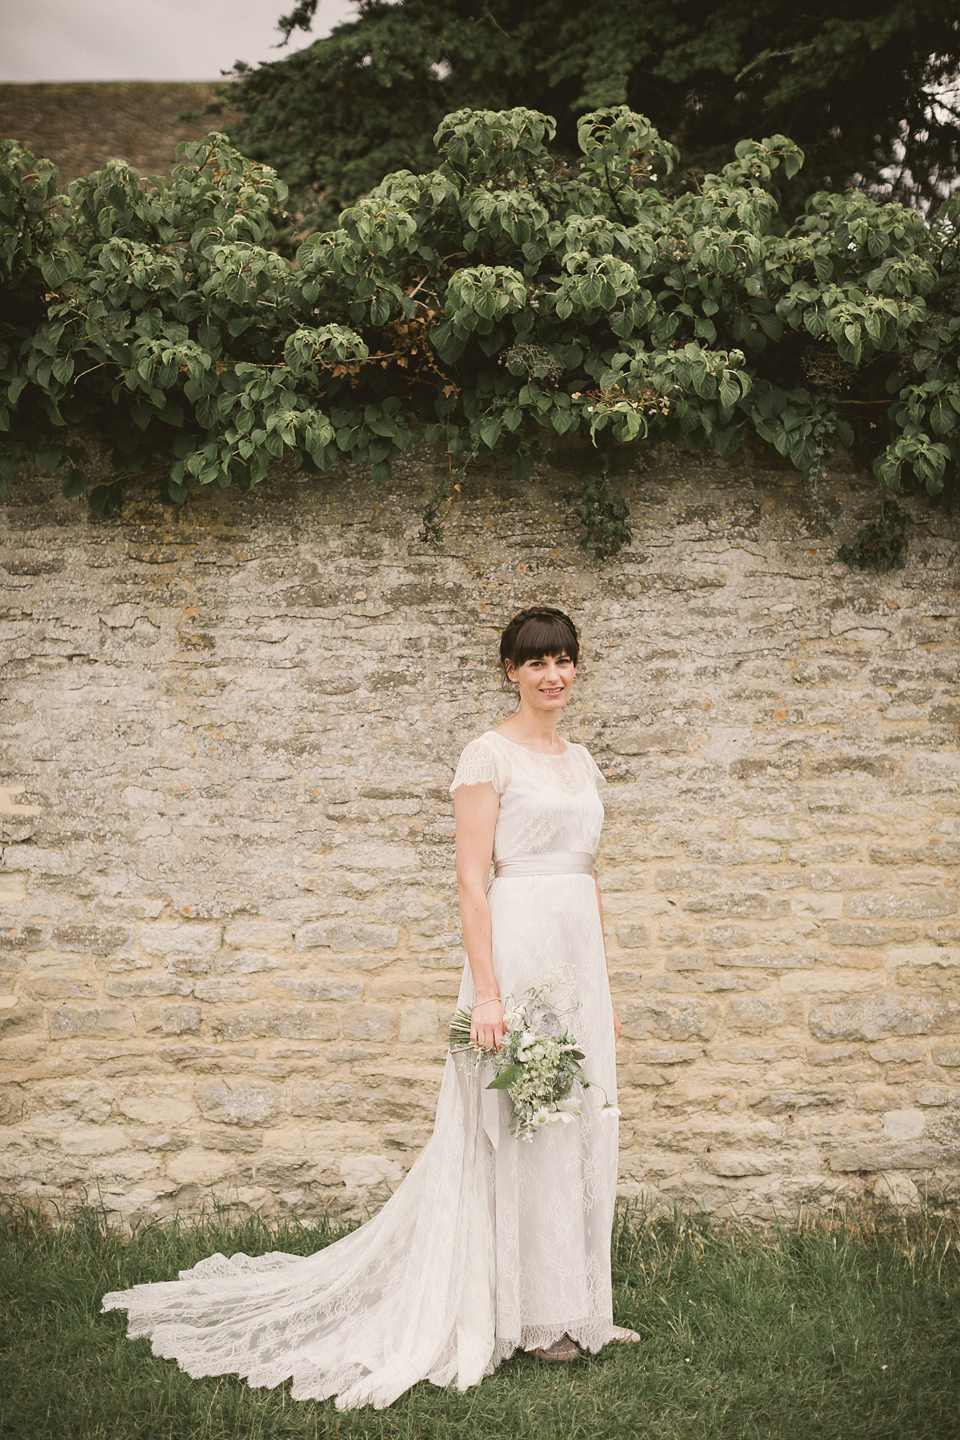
678, 1018
230, 948
234, 1102
91, 939
761, 1012
883, 1015
166, 939
91, 1020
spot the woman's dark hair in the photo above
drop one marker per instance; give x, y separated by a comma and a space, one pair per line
541, 630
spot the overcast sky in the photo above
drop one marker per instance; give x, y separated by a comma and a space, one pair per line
145, 39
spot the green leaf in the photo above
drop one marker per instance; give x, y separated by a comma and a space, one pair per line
506, 1078
74, 484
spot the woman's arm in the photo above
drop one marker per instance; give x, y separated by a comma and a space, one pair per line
476, 808
616, 1018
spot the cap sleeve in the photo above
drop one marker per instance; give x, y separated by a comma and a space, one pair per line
593, 770
480, 762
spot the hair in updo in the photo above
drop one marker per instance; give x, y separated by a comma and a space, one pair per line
541, 630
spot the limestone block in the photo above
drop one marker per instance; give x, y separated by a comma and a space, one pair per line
843, 877
676, 1018
670, 934
343, 1101
904, 1124
342, 935
873, 937
641, 1075
199, 1167
736, 904
737, 1163
819, 907
21, 1018
936, 1095
157, 1108
259, 935
375, 858
879, 905
761, 1012
69, 1020
946, 1055
12, 1103
24, 938
679, 1054
767, 960
318, 989
301, 1024
680, 960
688, 877
92, 939
646, 906
823, 979
929, 774
728, 937
61, 987
122, 986
632, 934
903, 1052
218, 988
93, 1139
882, 1015
363, 1172
235, 1102
242, 962
171, 1019
886, 1155
65, 1102
194, 938
418, 1023
895, 1187
942, 955
235, 1141
369, 1022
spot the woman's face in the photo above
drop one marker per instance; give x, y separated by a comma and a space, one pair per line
543, 683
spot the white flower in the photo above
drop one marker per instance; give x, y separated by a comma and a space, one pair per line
610, 1110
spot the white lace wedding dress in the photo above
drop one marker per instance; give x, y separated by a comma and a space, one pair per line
489, 1244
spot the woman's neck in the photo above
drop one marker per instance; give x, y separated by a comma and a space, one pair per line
536, 731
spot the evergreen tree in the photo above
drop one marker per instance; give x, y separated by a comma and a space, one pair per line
864, 88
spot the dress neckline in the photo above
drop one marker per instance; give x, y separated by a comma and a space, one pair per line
543, 754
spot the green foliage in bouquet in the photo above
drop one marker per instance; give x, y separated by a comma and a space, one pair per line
504, 301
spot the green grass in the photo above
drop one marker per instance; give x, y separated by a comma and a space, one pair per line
843, 1333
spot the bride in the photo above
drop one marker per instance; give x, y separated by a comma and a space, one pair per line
491, 1243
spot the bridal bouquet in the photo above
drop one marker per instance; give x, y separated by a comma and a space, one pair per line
538, 1065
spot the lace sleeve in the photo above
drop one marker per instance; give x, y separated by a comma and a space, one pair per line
591, 767
482, 762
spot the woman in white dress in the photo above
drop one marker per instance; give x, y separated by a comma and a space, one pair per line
490, 1244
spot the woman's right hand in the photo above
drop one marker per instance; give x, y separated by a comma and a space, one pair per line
486, 1023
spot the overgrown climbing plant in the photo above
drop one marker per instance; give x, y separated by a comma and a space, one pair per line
505, 300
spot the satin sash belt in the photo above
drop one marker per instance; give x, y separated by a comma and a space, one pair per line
551, 862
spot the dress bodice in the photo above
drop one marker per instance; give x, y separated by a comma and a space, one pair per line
547, 802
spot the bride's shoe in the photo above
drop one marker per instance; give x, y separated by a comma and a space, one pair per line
562, 1349
625, 1336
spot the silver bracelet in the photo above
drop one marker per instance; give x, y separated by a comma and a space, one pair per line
494, 999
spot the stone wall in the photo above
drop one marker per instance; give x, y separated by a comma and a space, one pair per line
229, 933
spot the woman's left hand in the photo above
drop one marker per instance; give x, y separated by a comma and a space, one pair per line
617, 1027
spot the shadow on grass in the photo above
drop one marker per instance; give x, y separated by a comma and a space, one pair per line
841, 1331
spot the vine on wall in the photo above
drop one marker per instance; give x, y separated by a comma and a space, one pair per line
503, 301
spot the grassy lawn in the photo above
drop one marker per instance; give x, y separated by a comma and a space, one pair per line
844, 1334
